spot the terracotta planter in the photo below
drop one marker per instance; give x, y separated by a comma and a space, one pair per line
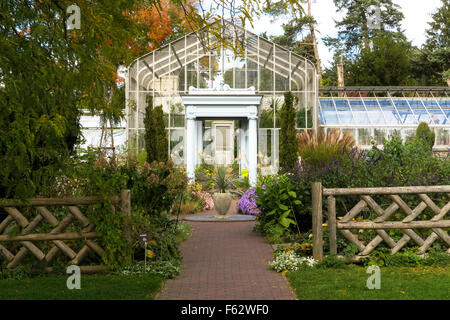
222, 203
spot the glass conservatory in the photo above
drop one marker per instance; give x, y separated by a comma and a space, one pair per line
221, 106
374, 113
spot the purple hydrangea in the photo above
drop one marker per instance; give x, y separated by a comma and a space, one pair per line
247, 203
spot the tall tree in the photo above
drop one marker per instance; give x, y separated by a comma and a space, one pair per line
386, 64
288, 133
47, 74
162, 23
298, 32
432, 63
354, 34
155, 133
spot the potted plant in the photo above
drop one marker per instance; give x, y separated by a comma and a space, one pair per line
222, 199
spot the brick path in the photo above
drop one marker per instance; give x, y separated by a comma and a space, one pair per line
226, 261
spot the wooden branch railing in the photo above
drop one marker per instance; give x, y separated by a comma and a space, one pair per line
347, 223
57, 237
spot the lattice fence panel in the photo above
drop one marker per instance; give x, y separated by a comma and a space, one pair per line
397, 214
69, 231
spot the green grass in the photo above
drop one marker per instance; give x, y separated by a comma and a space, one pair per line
397, 283
99, 287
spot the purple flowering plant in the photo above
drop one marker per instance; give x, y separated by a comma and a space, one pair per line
247, 203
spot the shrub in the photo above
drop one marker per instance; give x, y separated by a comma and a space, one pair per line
154, 186
278, 205
437, 259
154, 189
398, 164
208, 202
427, 135
204, 175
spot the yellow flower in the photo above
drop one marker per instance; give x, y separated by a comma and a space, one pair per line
325, 224
284, 272
310, 236
150, 254
152, 243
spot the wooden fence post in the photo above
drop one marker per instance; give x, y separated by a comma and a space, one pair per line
125, 206
317, 220
332, 224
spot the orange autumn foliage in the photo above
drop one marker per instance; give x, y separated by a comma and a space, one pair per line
160, 21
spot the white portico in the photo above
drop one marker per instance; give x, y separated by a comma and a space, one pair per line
222, 103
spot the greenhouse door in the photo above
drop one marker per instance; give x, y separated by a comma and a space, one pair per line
223, 142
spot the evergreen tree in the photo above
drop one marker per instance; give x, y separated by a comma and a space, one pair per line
288, 134
297, 35
353, 31
386, 64
156, 143
433, 61
160, 134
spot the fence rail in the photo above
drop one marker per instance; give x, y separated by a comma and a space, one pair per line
407, 225
58, 239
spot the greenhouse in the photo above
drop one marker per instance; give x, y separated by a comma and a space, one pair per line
222, 106
375, 113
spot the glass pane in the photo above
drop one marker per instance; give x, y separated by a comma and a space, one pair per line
222, 135
364, 137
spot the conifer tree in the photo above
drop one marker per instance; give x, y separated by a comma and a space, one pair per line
155, 133
288, 134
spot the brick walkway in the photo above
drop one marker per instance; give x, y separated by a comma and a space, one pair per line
226, 261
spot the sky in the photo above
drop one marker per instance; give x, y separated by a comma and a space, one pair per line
417, 14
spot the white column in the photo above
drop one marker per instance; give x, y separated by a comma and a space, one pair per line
252, 150
243, 145
191, 130
199, 147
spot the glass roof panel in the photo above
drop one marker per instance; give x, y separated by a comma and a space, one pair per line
383, 111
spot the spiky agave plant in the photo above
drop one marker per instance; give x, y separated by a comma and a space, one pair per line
319, 149
221, 180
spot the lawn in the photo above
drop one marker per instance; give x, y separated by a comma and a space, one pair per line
397, 283
101, 287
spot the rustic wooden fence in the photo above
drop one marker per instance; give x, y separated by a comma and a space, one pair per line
380, 224
57, 239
